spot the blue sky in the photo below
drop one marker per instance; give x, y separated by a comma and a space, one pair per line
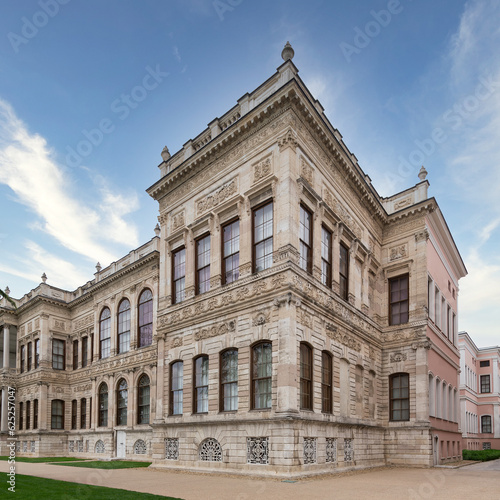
91, 91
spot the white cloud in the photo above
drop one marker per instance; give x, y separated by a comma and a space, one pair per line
28, 167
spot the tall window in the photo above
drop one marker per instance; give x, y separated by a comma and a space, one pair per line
23, 357
30, 356
105, 333
231, 252
143, 400
305, 239
37, 353
398, 300
263, 237
103, 405
486, 423
399, 397
58, 354
28, 414
57, 414
344, 272
305, 377
85, 351
90, 413
201, 384
21, 416
75, 354
326, 257
261, 376
229, 380
179, 275
145, 318
124, 326
326, 382
74, 413
485, 383
35, 414
121, 403
203, 264
176, 383
83, 413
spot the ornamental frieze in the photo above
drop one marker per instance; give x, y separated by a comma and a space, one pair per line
343, 338
344, 215
83, 322
306, 171
82, 388
214, 331
60, 325
217, 197
400, 336
397, 357
262, 169
305, 319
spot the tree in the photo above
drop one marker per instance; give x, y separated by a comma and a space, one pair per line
7, 298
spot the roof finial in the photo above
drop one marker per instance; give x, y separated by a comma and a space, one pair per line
287, 53
98, 267
44, 277
422, 174
157, 229
7, 290
165, 154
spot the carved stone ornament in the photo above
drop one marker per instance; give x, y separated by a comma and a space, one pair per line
344, 339
398, 252
262, 169
342, 213
399, 356
177, 221
261, 318
306, 171
215, 330
422, 235
217, 197
289, 140
406, 202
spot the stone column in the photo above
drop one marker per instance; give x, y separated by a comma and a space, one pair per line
422, 381
6, 346
94, 409
5, 409
160, 375
42, 412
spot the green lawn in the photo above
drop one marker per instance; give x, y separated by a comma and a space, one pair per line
482, 455
43, 459
115, 464
37, 488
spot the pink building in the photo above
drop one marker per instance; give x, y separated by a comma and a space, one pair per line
479, 394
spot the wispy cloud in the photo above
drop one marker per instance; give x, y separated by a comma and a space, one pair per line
29, 168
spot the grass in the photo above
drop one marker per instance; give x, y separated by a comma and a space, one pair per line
37, 460
482, 455
37, 488
115, 464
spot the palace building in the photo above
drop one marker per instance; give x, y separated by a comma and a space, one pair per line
285, 320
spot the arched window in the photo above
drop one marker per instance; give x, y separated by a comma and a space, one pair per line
145, 318
143, 400
57, 414
326, 382
121, 402
399, 397
105, 333
103, 405
176, 384
229, 380
305, 377
201, 384
124, 326
261, 376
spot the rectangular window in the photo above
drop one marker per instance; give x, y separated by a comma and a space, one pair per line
179, 275
231, 252
400, 397
326, 382
483, 364
486, 423
85, 348
344, 272
326, 257
35, 414
75, 355
30, 356
74, 410
176, 388
37, 353
229, 380
20, 416
449, 327
305, 377
398, 300
201, 385
23, 355
58, 354
90, 413
83, 413
91, 348
203, 264
305, 239
262, 376
57, 414
263, 237
437, 304
485, 383
28, 414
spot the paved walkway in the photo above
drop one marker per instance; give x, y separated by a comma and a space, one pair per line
478, 481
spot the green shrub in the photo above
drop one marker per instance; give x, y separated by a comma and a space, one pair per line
482, 455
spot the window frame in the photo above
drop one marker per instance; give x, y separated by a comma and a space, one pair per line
489, 424
197, 388
57, 419
307, 245
105, 329
75, 354
392, 282
255, 243
35, 414
326, 382
22, 358
197, 269
57, 357
102, 416
254, 380
123, 320
484, 385
326, 279
85, 351
28, 415
176, 391
83, 413
29, 356
37, 353
392, 399
181, 279
344, 278
306, 376
232, 255
140, 400
21, 415
145, 318
121, 396
228, 383
74, 414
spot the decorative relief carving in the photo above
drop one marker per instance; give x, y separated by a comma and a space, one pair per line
258, 450
261, 318
405, 202
348, 450
210, 450
30, 327
81, 388
83, 322
305, 319
214, 331
177, 342
421, 345
178, 221
262, 169
217, 197
332, 332
289, 140
398, 252
37, 323
399, 356
140, 447
245, 269
172, 448
343, 214
331, 450
400, 336
310, 450
422, 235
306, 171
61, 325
99, 446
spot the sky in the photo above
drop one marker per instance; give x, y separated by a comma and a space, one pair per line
91, 92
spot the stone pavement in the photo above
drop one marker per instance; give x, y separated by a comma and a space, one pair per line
478, 481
